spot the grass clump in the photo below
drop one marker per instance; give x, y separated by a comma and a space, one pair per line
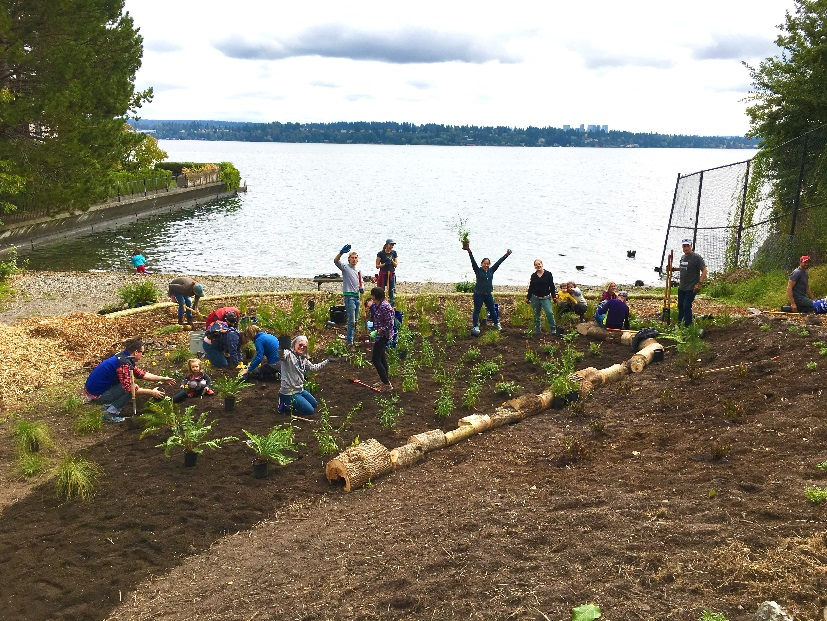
88, 422
30, 464
31, 437
134, 295
76, 477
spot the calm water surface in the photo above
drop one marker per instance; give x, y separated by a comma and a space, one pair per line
568, 206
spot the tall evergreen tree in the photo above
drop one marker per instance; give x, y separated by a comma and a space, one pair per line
67, 84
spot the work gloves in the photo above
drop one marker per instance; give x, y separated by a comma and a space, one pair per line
345, 248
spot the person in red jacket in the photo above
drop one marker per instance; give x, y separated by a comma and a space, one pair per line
218, 315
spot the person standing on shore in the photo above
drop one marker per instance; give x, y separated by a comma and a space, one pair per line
182, 290
541, 292
138, 262
387, 262
111, 382
351, 288
693, 273
798, 287
484, 289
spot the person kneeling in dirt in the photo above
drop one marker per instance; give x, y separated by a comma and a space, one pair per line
197, 383
267, 346
798, 287
110, 383
218, 315
221, 340
571, 300
294, 367
613, 314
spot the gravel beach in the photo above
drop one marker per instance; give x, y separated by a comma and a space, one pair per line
43, 294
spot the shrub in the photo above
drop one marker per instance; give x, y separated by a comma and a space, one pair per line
472, 394
389, 411
508, 389
180, 355
486, 370
76, 477
490, 337
464, 287
445, 402
472, 354
9, 266
230, 175
452, 318
708, 615
31, 437
143, 293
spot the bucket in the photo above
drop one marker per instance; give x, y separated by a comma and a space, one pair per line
196, 341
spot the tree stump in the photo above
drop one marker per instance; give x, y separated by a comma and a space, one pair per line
359, 464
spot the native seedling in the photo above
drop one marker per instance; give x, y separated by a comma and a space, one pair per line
585, 612
816, 495
336, 348
31, 437
275, 445
490, 337
71, 404
389, 411
472, 394
574, 450
139, 294
409, 380
741, 370
708, 615
179, 355
719, 450
31, 464
424, 326
732, 410
452, 318
597, 426
462, 232
357, 359
812, 365
426, 355
464, 287
822, 465
190, 433
531, 356
484, 371
170, 329
230, 387
445, 402
509, 389
594, 349
76, 477
765, 327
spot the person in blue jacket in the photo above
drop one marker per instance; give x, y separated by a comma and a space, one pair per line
267, 346
484, 289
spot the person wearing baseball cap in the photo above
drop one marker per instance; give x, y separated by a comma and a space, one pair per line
798, 287
181, 290
387, 262
693, 274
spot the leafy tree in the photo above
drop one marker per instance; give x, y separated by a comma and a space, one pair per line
143, 155
788, 112
67, 71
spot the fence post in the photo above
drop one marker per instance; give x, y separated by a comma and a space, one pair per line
698, 210
668, 226
144, 187
119, 191
741, 218
797, 199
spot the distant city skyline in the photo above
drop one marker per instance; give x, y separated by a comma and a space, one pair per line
656, 68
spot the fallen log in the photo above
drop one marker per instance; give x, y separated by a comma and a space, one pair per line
459, 434
359, 464
644, 357
429, 440
592, 330
406, 455
531, 404
480, 422
614, 373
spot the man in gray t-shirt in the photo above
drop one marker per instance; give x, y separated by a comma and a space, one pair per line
351, 288
798, 287
693, 273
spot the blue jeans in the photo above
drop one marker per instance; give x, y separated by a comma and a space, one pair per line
182, 301
352, 311
685, 299
215, 355
488, 300
545, 305
302, 403
115, 397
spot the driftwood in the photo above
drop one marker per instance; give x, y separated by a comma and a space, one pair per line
640, 360
359, 464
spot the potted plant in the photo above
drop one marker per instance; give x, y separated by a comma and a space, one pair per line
461, 228
229, 387
272, 447
190, 434
565, 389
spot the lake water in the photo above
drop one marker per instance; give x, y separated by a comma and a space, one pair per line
567, 206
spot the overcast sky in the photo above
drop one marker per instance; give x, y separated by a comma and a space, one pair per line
657, 66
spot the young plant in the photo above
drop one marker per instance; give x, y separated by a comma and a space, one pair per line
409, 380
509, 389
822, 465
719, 450
325, 434
170, 329
157, 415
31, 437
461, 229
597, 426
563, 385
274, 446
72, 404
708, 615
452, 318
465, 287
76, 477
486, 370
88, 422
765, 327
816, 495
490, 337
531, 356
812, 365
190, 433
472, 394
336, 348
445, 402
424, 326
594, 349
179, 355
389, 411
575, 450
358, 359
230, 386
143, 293
732, 410
31, 464
426, 355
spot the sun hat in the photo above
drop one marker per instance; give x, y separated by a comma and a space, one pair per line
805, 259
390, 241
686, 240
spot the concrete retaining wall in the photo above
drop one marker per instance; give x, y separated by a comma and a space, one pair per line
33, 233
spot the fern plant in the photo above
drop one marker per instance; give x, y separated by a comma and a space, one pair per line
275, 445
190, 433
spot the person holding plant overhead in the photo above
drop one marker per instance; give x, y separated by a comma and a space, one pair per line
294, 367
386, 262
111, 382
351, 288
181, 291
484, 289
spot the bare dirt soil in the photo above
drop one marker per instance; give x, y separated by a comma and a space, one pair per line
656, 498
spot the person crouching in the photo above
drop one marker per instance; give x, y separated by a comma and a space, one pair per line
294, 367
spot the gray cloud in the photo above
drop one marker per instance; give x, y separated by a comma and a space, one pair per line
405, 46
162, 46
735, 47
358, 97
321, 84
422, 85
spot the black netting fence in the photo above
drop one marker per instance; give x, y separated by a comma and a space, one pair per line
762, 213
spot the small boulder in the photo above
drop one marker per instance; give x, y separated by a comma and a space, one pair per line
771, 611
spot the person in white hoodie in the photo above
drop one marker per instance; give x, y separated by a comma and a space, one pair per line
294, 367
351, 288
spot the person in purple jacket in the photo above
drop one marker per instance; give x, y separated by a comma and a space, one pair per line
384, 328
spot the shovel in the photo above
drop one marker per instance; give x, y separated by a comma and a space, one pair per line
134, 389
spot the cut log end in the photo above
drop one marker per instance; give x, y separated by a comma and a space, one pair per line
359, 464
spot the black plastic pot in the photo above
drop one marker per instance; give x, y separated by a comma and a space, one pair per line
190, 459
466, 245
658, 356
558, 403
572, 397
229, 404
260, 468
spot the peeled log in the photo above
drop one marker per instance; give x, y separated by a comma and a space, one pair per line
505, 415
592, 375
359, 464
480, 422
459, 434
640, 360
614, 373
531, 404
645, 343
429, 440
406, 455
